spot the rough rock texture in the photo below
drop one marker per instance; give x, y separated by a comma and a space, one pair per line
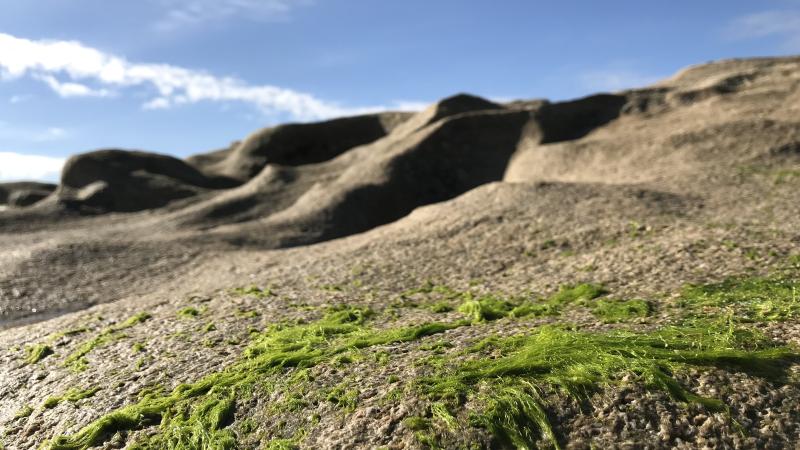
24, 193
689, 182
125, 181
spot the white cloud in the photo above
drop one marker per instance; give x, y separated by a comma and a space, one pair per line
69, 89
65, 66
781, 24
181, 13
18, 166
615, 80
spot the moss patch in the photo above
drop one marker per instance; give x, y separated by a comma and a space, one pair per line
36, 353
25, 411
496, 389
77, 361
611, 311
190, 312
194, 415
253, 291
753, 299
579, 362
72, 395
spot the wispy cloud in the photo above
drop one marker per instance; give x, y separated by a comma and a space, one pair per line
18, 166
180, 13
67, 66
784, 25
68, 89
615, 80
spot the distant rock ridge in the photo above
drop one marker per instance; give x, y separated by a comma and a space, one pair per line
300, 183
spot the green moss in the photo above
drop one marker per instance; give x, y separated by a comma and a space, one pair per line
343, 398
753, 299
77, 361
577, 294
440, 307
73, 395
580, 294
209, 327
579, 362
439, 411
611, 311
247, 314
137, 347
38, 352
253, 291
282, 444
189, 415
248, 426
416, 423
485, 308
70, 332
189, 312
501, 377
515, 415
24, 412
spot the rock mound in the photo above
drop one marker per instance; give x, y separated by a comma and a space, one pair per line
296, 144
24, 193
125, 181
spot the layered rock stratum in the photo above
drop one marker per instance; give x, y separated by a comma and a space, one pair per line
614, 271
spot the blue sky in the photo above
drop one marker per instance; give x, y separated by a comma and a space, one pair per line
184, 76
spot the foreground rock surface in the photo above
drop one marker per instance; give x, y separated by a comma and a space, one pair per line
476, 275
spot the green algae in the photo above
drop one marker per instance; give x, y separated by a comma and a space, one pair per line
578, 363
492, 307
183, 414
485, 308
77, 361
73, 395
503, 380
613, 311
247, 314
65, 333
38, 352
753, 299
515, 415
253, 291
440, 307
417, 423
576, 294
343, 397
189, 312
25, 411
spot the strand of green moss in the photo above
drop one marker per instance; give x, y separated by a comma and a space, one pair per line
755, 299
76, 360
73, 395
184, 413
37, 353
578, 362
